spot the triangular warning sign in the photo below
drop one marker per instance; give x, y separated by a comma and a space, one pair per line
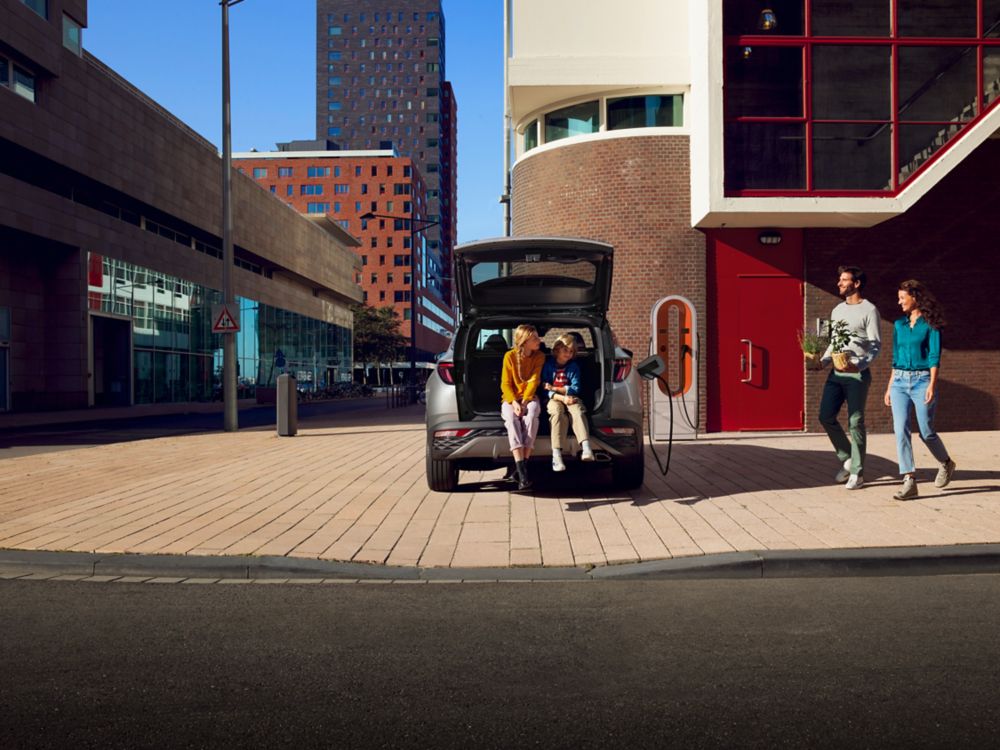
225, 323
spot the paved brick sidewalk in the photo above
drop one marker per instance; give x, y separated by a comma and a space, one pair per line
352, 488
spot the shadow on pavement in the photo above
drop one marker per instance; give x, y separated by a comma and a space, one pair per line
339, 413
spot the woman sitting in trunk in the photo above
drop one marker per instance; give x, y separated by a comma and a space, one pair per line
519, 379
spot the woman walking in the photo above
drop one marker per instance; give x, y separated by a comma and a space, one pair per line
916, 360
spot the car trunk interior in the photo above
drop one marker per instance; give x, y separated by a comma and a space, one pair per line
487, 344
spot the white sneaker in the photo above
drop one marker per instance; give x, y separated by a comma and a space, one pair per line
587, 454
855, 482
557, 462
844, 473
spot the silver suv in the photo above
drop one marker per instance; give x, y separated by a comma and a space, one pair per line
558, 285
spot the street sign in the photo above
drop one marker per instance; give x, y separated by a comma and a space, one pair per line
223, 319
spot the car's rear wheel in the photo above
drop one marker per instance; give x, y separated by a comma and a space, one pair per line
442, 475
627, 473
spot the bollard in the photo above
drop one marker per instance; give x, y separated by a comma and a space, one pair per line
287, 405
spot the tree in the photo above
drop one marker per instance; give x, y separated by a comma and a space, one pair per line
376, 337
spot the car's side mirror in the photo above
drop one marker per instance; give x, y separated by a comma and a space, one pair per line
651, 367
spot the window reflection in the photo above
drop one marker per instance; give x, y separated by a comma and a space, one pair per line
177, 358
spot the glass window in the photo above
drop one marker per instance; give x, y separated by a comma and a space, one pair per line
333, 131
852, 156
311, 190
860, 18
991, 75
259, 172
317, 171
852, 83
318, 208
777, 17
4, 72
937, 83
41, 7
285, 171
24, 83
936, 19
763, 81
644, 112
569, 121
765, 156
991, 18
335, 31
72, 35
918, 143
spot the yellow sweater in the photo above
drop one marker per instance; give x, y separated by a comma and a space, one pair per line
513, 386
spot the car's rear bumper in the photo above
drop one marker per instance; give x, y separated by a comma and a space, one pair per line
487, 440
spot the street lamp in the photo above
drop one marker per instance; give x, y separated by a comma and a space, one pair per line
229, 405
413, 288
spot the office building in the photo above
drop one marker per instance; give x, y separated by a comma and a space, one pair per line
343, 186
111, 250
381, 84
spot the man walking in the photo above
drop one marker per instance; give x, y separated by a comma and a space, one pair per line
850, 383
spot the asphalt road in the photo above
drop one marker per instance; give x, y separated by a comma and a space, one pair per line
863, 662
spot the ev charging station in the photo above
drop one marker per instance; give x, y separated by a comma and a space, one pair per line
675, 339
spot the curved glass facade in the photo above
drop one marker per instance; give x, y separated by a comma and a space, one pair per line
851, 98
618, 113
176, 357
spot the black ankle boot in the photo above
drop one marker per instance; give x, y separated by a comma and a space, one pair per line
523, 482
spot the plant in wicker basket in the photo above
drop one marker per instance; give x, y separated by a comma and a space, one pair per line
840, 337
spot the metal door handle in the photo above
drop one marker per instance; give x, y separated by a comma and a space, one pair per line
748, 370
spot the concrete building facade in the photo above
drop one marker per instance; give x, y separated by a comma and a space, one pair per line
110, 249
736, 153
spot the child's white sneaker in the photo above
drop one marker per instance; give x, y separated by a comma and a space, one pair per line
587, 454
557, 461
855, 482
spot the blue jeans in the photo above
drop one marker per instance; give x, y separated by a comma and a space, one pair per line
907, 388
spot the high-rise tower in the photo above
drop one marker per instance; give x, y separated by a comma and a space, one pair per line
380, 84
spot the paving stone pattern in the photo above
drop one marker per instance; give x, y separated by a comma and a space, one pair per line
352, 488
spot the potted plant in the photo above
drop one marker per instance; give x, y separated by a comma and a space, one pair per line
813, 345
840, 337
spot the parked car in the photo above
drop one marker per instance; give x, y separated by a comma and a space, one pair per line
559, 285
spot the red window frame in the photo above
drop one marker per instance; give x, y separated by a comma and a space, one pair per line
894, 42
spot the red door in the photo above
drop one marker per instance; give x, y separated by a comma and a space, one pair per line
757, 309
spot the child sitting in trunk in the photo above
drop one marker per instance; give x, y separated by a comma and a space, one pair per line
561, 378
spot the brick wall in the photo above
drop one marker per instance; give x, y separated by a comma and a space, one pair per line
949, 241
632, 193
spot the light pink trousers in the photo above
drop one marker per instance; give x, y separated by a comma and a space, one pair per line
521, 431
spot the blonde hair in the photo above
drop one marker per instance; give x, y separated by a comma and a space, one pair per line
521, 335
566, 341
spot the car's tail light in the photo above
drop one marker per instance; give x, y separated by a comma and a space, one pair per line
616, 430
451, 433
446, 371
623, 367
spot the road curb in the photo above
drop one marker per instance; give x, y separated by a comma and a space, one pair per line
888, 561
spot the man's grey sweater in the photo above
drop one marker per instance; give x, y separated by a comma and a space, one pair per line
863, 323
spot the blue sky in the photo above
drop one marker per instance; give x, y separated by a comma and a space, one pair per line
171, 49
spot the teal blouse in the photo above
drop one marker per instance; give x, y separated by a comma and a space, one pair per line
917, 348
